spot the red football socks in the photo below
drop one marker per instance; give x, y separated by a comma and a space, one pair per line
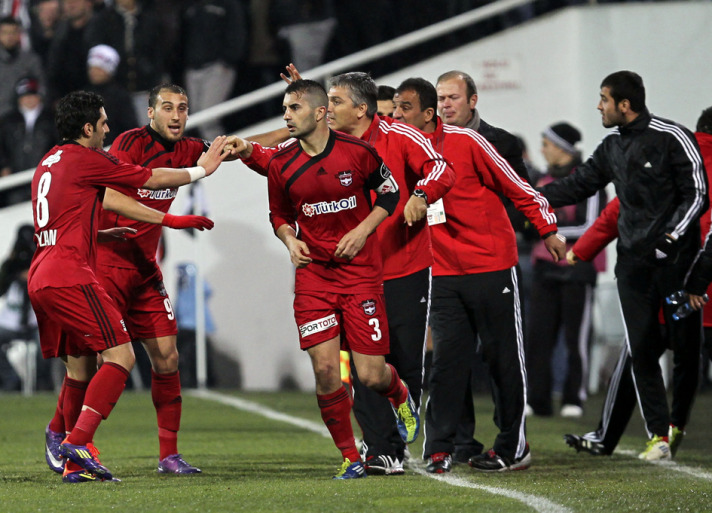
73, 393
101, 396
166, 394
336, 414
396, 392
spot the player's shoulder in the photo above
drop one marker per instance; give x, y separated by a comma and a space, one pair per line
194, 142
100, 153
355, 143
286, 149
402, 132
131, 139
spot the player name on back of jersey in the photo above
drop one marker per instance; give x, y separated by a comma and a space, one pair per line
46, 238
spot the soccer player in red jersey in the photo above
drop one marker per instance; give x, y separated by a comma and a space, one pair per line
129, 272
321, 209
405, 243
76, 317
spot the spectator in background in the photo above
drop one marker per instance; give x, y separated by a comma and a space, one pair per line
45, 19
134, 30
67, 59
386, 105
306, 26
101, 67
17, 320
213, 39
27, 132
186, 316
562, 295
15, 62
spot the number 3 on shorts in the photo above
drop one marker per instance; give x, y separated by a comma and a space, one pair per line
376, 329
169, 308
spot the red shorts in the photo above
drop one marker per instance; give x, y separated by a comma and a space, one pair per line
360, 319
77, 321
142, 300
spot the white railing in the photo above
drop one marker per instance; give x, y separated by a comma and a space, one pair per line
350, 62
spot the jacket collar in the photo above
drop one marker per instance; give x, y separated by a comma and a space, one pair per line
638, 124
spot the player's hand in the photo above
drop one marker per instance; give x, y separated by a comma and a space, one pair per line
237, 147
211, 159
350, 244
232, 143
116, 233
298, 252
556, 245
571, 257
293, 74
182, 222
697, 302
415, 209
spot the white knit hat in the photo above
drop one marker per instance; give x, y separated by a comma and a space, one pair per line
104, 57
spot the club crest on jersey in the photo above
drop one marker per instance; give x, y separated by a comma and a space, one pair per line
328, 207
346, 178
369, 306
163, 194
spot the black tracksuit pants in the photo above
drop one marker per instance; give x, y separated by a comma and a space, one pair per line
642, 289
621, 397
407, 308
465, 307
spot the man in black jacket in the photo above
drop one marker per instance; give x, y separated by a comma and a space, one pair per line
660, 180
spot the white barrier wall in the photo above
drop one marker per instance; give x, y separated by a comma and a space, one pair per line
529, 76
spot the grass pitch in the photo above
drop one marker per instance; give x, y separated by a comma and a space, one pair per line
257, 464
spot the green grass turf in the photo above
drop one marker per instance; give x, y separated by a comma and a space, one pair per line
254, 464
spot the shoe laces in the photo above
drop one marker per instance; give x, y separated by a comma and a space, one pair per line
94, 451
344, 467
439, 456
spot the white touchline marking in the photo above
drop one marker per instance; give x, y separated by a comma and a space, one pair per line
672, 465
537, 503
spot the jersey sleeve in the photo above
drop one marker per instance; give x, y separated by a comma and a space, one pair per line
258, 161
281, 210
603, 231
381, 181
437, 175
499, 175
107, 170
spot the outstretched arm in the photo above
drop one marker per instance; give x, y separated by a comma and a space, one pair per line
130, 208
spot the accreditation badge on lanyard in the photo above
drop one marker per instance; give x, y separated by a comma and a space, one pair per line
436, 210
436, 213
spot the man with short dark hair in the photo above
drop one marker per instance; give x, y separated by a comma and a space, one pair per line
405, 244
620, 397
76, 316
129, 272
385, 100
659, 176
319, 181
475, 285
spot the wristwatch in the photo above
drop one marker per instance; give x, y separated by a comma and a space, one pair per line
420, 193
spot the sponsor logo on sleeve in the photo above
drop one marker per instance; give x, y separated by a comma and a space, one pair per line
318, 325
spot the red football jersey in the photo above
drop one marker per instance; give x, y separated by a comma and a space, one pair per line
67, 191
144, 146
325, 197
